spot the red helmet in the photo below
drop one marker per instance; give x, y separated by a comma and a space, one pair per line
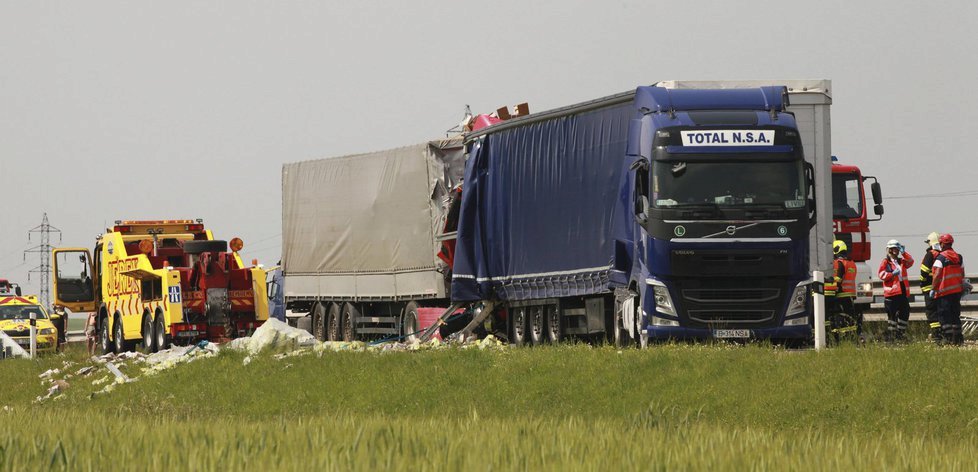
946, 240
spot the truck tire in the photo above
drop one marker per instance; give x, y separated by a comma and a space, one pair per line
148, 333
333, 322
518, 326
162, 338
118, 337
641, 339
551, 318
409, 322
613, 330
103, 334
199, 247
318, 314
347, 325
535, 322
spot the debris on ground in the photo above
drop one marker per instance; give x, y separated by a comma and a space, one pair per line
47, 374
274, 334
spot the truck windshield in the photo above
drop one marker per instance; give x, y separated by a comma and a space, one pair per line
715, 183
847, 196
21, 312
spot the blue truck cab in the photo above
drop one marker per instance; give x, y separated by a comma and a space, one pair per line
714, 216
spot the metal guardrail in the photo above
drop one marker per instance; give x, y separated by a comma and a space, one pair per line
876, 311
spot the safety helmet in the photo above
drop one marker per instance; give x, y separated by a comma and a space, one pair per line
946, 240
892, 243
839, 247
932, 238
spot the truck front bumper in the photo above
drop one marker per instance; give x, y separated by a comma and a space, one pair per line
663, 333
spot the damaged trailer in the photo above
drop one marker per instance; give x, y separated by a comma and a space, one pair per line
368, 239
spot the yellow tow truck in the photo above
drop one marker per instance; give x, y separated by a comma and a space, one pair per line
159, 282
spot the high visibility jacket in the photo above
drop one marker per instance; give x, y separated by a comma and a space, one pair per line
846, 278
948, 273
926, 277
895, 284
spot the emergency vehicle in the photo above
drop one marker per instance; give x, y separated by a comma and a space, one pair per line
15, 321
162, 281
851, 222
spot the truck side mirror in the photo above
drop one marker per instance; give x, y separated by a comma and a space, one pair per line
642, 210
877, 196
878, 209
810, 181
17, 291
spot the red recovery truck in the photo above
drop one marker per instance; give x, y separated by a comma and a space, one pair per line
851, 220
162, 281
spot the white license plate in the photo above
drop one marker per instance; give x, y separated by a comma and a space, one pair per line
187, 334
731, 333
24, 342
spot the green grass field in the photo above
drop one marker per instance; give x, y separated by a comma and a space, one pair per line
569, 407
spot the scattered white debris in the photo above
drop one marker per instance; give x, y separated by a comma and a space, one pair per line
274, 334
47, 374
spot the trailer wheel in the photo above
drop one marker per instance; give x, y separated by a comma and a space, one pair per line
103, 335
319, 321
409, 322
535, 324
199, 247
162, 341
333, 322
518, 326
641, 336
148, 333
118, 338
350, 315
551, 316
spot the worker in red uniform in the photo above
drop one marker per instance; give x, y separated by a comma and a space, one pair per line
896, 289
927, 285
949, 284
840, 291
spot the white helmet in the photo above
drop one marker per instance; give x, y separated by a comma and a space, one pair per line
892, 243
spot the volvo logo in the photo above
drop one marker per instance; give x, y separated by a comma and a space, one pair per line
731, 230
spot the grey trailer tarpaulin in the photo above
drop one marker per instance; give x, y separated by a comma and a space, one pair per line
367, 225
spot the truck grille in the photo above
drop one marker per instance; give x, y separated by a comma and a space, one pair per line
731, 316
16, 334
708, 295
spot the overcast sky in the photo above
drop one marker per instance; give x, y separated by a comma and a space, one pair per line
128, 110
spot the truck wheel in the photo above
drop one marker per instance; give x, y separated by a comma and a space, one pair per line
118, 338
148, 334
613, 329
333, 322
551, 316
535, 324
199, 247
103, 335
518, 326
641, 336
162, 341
350, 315
319, 321
409, 322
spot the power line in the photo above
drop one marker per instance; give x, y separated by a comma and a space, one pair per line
44, 249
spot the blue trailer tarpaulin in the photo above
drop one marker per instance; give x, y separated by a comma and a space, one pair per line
537, 206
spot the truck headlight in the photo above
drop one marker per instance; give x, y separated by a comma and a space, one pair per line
663, 301
866, 288
46, 331
796, 303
